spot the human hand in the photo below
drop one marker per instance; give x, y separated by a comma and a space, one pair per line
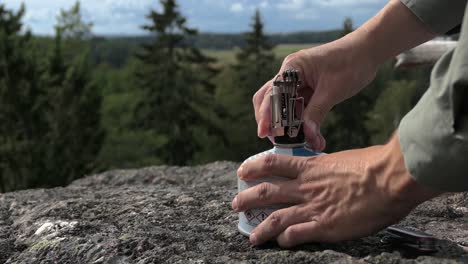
333, 197
338, 70
330, 74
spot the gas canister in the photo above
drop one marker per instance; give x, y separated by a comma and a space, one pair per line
287, 130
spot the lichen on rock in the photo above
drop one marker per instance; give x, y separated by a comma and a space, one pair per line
182, 215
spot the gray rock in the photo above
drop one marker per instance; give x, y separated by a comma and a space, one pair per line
182, 215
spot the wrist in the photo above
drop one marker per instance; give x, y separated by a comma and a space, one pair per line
359, 48
393, 30
396, 179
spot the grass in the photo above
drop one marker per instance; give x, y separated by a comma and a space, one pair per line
223, 56
284, 50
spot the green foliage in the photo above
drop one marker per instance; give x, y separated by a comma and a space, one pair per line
50, 112
391, 106
345, 126
347, 26
169, 104
75, 135
75, 33
255, 61
22, 106
118, 50
125, 146
255, 65
223, 41
71, 25
177, 91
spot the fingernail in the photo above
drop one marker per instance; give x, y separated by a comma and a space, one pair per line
234, 204
259, 132
262, 131
240, 171
253, 239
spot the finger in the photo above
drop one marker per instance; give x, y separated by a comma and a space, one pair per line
317, 108
276, 223
271, 165
310, 132
314, 138
323, 143
301, 233
294, 61
264, 115
314, 113
267, 193
258, 98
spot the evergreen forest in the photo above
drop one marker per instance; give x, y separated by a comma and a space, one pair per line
75, 103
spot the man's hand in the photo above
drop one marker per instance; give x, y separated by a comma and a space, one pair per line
338, 70
333, 197
330, 74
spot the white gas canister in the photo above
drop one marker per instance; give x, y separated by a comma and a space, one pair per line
249, 219
286, 108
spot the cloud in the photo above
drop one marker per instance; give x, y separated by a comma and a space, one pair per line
264, 4
292, 5
108, 16
237, 7
298, 9
127, 16
347, 3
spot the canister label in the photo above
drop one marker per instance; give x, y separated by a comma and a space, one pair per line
249, 219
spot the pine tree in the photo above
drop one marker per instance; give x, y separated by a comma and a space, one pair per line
50, 132
255, 61
344, 127
391, 106
255, 65
347, 26
71, 25
176, 81
124, 146
74, 31
22, 106
75, 135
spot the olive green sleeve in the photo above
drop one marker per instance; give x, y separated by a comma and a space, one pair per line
440, 15
434, 134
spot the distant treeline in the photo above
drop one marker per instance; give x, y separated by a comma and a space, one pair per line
229, 41
115, 50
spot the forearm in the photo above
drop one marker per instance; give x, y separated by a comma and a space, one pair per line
434, 134
393, 30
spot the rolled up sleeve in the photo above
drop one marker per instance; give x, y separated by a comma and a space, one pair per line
434, 134
440, 15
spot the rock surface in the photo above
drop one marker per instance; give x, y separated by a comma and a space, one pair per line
182, 215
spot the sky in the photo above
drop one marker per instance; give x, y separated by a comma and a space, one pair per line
125, 17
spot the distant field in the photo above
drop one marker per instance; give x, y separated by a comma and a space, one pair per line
281, 51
